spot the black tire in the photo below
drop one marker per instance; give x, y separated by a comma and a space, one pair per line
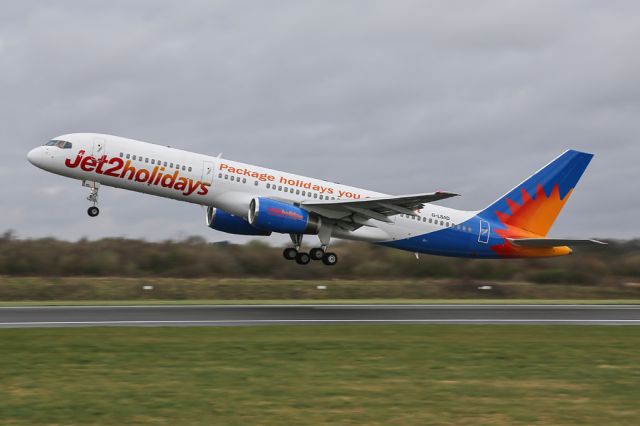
303, 258
290, 253
93, 211
316, 253
330, 259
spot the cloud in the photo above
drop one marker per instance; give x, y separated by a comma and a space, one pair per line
399, 97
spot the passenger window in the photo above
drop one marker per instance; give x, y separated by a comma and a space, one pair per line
256, 183
268, 185
315, 195
165, 164
153, 161
226, 177
219, 175
303, 193
244, 180
171, 165
321, 197
146, 159
424, 219
442, 223
190, 169
184, 168
121, 155
134, 158
128, 156
280, 188
447, 224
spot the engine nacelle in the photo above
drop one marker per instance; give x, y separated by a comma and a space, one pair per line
220, 220
277, 216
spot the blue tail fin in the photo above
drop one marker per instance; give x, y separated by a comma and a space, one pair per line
535, 204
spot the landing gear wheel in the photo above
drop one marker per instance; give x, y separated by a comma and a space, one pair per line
303, 259
93, 211
316, 253
290, 253
330, 259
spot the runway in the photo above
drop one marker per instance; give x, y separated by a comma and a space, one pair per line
246, 315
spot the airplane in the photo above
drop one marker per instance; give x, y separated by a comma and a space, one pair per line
246, 199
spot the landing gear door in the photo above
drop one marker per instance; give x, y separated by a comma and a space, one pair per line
99, 147
207, 173
485, 232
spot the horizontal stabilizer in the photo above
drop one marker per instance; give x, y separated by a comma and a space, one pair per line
551, 242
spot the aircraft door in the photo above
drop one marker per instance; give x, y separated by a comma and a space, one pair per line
485, 232
207, 172
99, 147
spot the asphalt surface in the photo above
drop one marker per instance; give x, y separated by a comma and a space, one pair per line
218, 315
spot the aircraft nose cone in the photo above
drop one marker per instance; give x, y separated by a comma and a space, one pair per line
35, 156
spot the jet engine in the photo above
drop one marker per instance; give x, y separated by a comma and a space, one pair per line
277, 216
220, 220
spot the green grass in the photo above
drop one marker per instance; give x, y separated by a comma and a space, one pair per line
159, 302
292, 375
14, 289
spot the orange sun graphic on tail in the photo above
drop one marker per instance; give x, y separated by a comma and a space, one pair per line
531, 219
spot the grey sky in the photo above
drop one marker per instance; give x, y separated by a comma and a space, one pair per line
395, 96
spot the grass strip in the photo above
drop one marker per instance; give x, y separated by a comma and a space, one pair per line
283, 375
152, 302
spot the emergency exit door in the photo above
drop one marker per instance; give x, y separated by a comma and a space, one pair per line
485, 232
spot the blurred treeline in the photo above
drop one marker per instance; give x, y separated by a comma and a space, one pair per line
193, 257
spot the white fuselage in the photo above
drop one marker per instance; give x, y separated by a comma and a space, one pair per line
217, 182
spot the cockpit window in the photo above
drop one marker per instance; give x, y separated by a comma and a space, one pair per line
59, 144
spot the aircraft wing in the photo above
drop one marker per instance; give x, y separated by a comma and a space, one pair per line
379, 208
551, 242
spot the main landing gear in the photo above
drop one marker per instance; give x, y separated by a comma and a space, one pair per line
92, 211
302, 258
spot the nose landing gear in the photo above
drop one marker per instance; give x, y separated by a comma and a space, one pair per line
92, 211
